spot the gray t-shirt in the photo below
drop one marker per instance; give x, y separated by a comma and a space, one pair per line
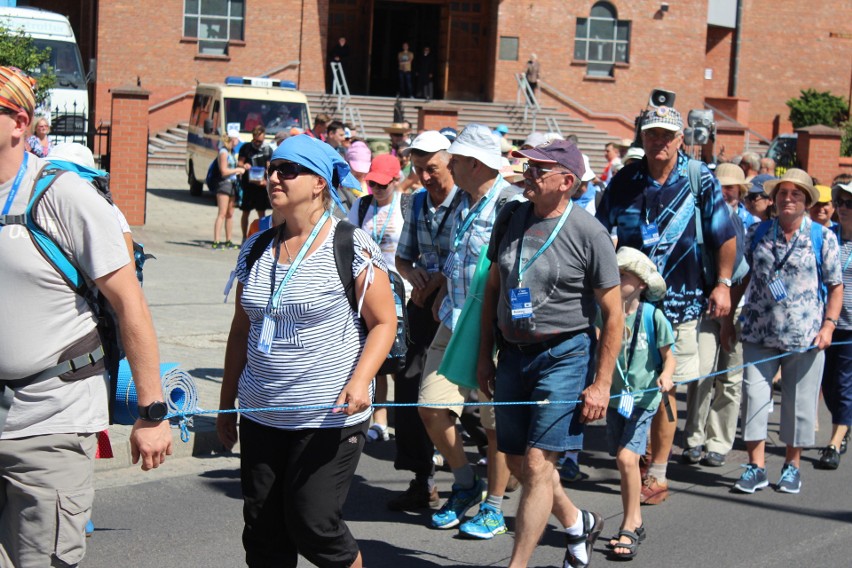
42, 316
561, 281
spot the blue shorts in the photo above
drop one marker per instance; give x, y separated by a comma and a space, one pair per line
629, 434
558, 374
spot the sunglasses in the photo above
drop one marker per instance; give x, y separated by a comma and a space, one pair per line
756, 196
287, 170
847, 203
536, 171
376, 185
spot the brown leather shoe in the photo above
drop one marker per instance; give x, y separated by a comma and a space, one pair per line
654, 492
417, 496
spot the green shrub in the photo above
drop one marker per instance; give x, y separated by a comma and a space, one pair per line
813, 107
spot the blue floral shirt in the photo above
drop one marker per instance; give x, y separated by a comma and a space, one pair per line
791, 323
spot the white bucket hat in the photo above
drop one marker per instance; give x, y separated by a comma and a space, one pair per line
635, 262
476, 141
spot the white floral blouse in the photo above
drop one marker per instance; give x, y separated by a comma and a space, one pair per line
793, 322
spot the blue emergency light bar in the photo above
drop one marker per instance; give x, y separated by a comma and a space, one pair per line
260, 82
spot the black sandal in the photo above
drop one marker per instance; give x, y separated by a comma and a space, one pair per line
593, 524
630, 546
639, 531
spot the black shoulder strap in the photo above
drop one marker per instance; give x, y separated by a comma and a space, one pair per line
344, 255
499, 231
363, 206
259, 245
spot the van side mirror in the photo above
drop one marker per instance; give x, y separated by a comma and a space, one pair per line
208, 126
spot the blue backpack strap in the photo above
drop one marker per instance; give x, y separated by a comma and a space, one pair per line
759, 233
816, 242
694, 176
418, 204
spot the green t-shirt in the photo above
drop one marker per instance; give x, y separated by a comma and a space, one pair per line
642, 374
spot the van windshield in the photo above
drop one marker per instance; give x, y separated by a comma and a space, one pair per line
65, 60
274, 115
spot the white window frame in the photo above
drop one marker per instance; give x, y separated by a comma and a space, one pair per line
200, 25
600, 65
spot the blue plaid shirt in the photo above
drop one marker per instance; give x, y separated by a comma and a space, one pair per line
477, 236
421, 235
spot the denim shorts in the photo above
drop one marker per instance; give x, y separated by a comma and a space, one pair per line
629, 434
558, 374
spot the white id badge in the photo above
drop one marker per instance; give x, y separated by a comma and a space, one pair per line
520, 302
450, 266
267, 332
625, 406
431, 262
650, 234
778, 290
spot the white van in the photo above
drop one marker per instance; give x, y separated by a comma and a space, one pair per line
68, 107
241, 103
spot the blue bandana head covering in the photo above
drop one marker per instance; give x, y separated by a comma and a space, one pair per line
321, 159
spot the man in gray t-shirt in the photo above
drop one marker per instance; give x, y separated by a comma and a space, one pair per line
552, 262
48, 439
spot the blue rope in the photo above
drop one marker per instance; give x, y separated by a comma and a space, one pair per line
184, 415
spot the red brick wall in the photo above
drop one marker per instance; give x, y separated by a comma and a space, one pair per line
665, 51
136, 40
775, 64
817, 149
129, 152
718, 59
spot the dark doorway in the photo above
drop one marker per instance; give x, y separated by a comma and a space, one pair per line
393, 24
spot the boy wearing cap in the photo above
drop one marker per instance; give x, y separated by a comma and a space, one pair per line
650, 204
638, 371
49, 424
552, 263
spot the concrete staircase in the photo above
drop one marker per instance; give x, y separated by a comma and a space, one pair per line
168, 148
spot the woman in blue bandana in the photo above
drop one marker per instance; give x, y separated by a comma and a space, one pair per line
299, 345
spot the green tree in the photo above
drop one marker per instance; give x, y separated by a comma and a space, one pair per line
814, 107
19, 50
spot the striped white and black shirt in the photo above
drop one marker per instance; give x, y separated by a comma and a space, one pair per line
318, 338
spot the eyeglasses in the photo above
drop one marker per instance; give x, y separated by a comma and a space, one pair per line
660, 134
536, 171
287, 170
756, 196
847, 203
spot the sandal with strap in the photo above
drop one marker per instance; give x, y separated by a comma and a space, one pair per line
630, 546
640, 534
593, 524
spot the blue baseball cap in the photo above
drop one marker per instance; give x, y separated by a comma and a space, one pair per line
502, 129
758, 181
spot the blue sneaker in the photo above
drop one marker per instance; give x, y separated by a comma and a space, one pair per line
752, 479
569, 471
457, 505
791, 481
487, 523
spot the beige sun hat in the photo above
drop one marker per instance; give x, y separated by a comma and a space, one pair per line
635, 262
732, 174
799, 178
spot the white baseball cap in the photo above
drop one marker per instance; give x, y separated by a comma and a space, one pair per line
428, 141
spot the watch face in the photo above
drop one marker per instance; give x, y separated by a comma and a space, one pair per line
157, 411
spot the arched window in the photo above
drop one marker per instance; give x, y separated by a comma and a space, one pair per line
602, 40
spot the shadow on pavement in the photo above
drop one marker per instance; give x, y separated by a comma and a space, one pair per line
225, 481
380, 553
184, 196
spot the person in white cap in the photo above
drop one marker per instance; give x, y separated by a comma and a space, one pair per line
475, 163
650, 205
423, 248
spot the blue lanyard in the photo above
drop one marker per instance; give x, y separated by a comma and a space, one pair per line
472, 215
848, 258
522, 268
378, 240
16, 185
275, 299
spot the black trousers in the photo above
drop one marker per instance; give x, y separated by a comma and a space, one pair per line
294, 486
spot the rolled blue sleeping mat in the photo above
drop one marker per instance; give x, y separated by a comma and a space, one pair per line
179, 391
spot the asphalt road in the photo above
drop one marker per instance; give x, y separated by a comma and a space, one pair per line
188, 513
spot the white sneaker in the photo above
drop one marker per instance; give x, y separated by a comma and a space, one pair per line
378, 433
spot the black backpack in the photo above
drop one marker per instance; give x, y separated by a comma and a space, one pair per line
344, 255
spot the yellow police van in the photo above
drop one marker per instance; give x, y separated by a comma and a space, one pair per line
240, 103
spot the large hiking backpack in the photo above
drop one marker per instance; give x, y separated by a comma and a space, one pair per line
344, 255
110, 350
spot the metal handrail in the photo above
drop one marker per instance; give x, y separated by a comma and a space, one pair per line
584, 109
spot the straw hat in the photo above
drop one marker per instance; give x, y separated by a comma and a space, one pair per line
397, 128
797, 177
731, 174
635, 262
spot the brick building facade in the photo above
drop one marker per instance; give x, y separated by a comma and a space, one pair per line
783, 46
